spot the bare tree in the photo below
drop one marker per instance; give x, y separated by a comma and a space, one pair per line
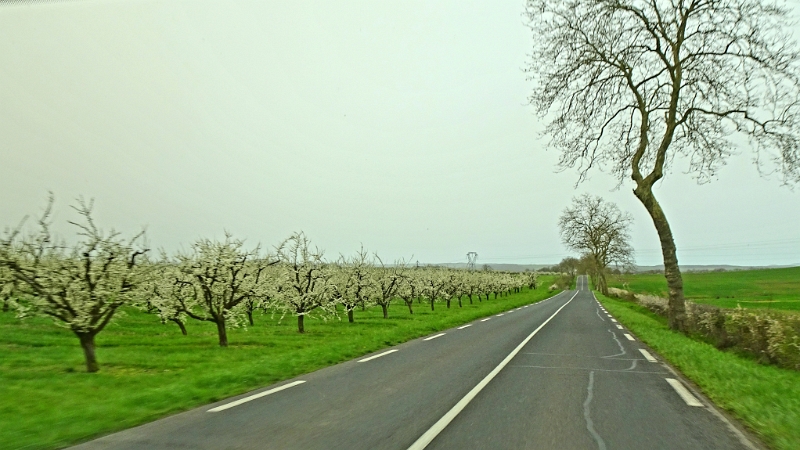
599, 230
81, 286
631, 84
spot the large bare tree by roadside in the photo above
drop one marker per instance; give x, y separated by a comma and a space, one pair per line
80, 286
628, 85
599, 230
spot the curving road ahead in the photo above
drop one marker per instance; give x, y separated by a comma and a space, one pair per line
558, 374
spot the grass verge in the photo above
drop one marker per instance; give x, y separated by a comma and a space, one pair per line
765, 398
149, 370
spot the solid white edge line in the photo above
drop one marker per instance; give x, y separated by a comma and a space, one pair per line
440, 425
484, 320
253, 397
687, 396
434, 337
377, 356
630, 338
465, 326
647, 355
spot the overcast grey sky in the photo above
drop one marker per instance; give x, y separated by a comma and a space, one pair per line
400, 125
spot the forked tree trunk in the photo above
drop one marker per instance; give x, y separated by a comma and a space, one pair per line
385, 311
300, 327
87, 343
349, 315
677, 306
223, 333
180, 324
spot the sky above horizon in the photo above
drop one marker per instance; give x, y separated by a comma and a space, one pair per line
402, 126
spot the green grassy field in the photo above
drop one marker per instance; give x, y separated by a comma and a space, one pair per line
765, 288
765, 398
148, 370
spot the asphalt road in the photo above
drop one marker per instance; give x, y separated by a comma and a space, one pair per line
558, 374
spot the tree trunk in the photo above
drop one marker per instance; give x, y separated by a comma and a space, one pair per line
459, 301
300, 323
223, 334
250, 317
385, 311
180, 324
448, 303
470, 299
602, 284
87, 343
677, 307
410, 311
349, 316
5, 305
431, 304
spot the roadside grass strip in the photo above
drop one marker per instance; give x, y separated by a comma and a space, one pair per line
255, 396
764, 398
377, 356
687, 396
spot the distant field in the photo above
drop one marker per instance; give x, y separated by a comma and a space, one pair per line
149, 370
765, 288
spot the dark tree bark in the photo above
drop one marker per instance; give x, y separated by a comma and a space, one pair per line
180, 324
385, 311
300, 327
250, 317
87, 343
432, 304
223, 333
350, 315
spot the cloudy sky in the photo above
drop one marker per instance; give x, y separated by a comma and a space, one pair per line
402, 126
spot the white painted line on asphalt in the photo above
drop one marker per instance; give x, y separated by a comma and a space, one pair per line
613, 319
434, 337
440, 425
465, 326
501, 314
376, 356
647, 355
253, 397
630, 338
484, 320
619, 326
526, 306
687, 396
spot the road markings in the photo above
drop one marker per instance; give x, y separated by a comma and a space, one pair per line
499, 315
687, 396
647, 355
526, 306
619, 326
253, 397
630, 338
376, 356
465, 326
484, 320
440, 425
434, 337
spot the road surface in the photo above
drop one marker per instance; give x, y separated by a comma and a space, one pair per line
558, 374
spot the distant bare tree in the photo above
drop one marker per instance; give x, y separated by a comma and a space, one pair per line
80, 286
599, 230
629, 84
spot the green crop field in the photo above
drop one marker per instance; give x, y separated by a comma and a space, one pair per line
765, 398
777, 289
149, 370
